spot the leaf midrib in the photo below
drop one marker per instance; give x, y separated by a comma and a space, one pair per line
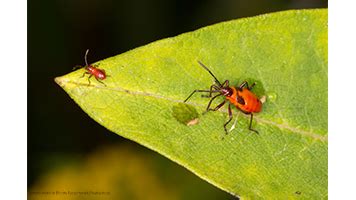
306, 133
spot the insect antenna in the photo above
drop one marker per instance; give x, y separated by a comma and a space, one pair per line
206, 68
85, 57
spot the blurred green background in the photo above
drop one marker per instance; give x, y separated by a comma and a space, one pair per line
67, 150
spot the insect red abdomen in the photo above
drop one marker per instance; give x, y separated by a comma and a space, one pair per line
98, 73
252, 103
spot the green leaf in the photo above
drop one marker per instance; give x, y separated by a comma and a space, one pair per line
284, 52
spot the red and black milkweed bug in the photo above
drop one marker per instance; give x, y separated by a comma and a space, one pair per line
241, 97
92, 70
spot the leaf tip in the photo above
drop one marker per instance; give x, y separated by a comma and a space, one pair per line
59, 81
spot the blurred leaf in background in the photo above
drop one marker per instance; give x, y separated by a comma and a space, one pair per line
122, 172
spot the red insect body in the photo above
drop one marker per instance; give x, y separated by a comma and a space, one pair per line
252, 103
96, 72
92, 70
241, 97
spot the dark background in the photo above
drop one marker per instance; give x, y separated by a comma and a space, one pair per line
59, 32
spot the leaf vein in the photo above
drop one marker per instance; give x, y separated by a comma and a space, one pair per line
307, 133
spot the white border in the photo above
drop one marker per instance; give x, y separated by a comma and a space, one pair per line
342, 104
342, 76
13, 87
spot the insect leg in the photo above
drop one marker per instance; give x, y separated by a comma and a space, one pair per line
211, 100
89, 78
195, 92
211, 91
225, 83
230, 118
77, 67
250, 128
245, 83
84, 74
253, 84
218, 106
100, 81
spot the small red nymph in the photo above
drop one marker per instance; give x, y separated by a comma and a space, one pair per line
241, 97
92, 70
